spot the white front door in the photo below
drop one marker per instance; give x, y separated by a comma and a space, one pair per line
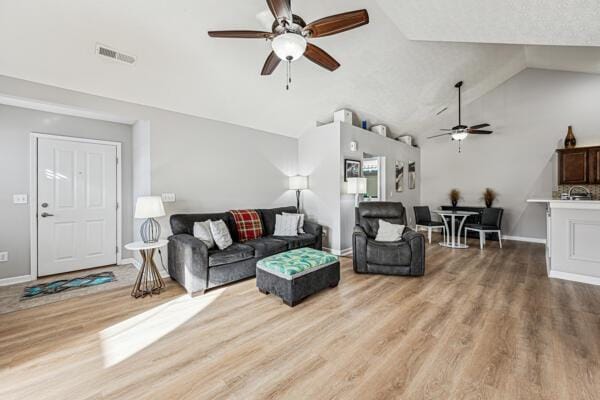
77, 205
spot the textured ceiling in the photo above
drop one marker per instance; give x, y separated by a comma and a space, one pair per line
384, 77
536, 22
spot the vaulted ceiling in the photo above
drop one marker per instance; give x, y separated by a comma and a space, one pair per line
399, 69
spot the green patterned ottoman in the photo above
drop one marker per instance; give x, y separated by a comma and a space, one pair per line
296, 274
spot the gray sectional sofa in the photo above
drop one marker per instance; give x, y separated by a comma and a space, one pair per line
197, 268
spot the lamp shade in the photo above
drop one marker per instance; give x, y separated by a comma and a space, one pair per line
298, 182
357, 185
149, 207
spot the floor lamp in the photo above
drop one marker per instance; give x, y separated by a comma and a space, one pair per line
357, 186
298, 183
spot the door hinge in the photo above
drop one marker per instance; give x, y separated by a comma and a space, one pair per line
117, 160
117, 206
117, 249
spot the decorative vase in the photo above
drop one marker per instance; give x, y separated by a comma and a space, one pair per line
570, 141
488, 203
454, 203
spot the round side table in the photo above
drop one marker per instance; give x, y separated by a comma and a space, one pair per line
148, 281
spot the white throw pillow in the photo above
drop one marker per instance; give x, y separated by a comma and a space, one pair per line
286, 225
220, 234
300, 222
202, 232
389, 232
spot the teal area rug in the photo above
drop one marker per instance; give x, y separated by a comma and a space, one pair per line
62, 285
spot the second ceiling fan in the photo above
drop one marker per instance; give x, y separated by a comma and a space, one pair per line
289, 36
460, 132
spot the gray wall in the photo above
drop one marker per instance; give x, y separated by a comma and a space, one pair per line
321, 156
318, 157
16, 124
379, 146
529, 115
209, 165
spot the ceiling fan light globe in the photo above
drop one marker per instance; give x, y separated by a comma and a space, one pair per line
459, 135
289, 46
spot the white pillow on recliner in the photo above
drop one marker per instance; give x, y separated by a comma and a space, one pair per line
389, 232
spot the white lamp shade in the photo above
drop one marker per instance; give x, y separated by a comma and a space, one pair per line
289, 46
357, 185
298, 182
149, 207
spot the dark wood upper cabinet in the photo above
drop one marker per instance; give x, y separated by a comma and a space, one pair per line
579, 166
595, 165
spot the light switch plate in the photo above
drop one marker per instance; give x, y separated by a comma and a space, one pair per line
4, 256
20, 199
168, 197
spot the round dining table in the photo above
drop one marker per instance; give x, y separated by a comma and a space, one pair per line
452, 238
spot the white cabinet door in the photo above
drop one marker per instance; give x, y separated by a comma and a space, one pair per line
77, 205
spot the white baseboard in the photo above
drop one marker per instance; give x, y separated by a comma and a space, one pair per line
126, 261
341, 253
524, 239
15, 279
591, 280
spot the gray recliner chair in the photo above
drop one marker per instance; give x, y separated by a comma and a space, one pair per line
405, 257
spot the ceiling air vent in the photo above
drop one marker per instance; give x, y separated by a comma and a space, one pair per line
106, 51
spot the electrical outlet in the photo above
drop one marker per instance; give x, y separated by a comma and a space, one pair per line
19, 199
168, 197
4, 256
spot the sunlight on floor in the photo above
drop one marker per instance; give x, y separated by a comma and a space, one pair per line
128, 337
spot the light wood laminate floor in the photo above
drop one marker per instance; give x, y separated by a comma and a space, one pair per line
481, 324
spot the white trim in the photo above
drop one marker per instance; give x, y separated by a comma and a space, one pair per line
126, 261
591, 280
15, 280
33, 167
524, 239
339, 253
62, 109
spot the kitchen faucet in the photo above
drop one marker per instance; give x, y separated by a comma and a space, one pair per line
587, 195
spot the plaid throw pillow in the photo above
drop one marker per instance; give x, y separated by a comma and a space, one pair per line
248, 224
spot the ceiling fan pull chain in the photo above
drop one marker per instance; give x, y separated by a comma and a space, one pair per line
289, 74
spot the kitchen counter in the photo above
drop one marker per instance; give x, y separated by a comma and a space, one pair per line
568, 203
573, 239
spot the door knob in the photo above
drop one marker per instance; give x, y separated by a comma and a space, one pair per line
45, 214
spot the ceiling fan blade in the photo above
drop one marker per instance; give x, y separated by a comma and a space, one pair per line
479, 126
241, 34
320, 57
479, 132
337, 23
271, 63
434, 136
281, 9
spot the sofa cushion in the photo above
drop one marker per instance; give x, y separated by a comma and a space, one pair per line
388, 253
234, 253
268, 217
184, 223
302, 240
248, 224
267, 246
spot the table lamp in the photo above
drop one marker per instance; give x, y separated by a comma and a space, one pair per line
149, 207
298, 183
357, 186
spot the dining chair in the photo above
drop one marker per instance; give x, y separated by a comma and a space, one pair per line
423, 221
491, 222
